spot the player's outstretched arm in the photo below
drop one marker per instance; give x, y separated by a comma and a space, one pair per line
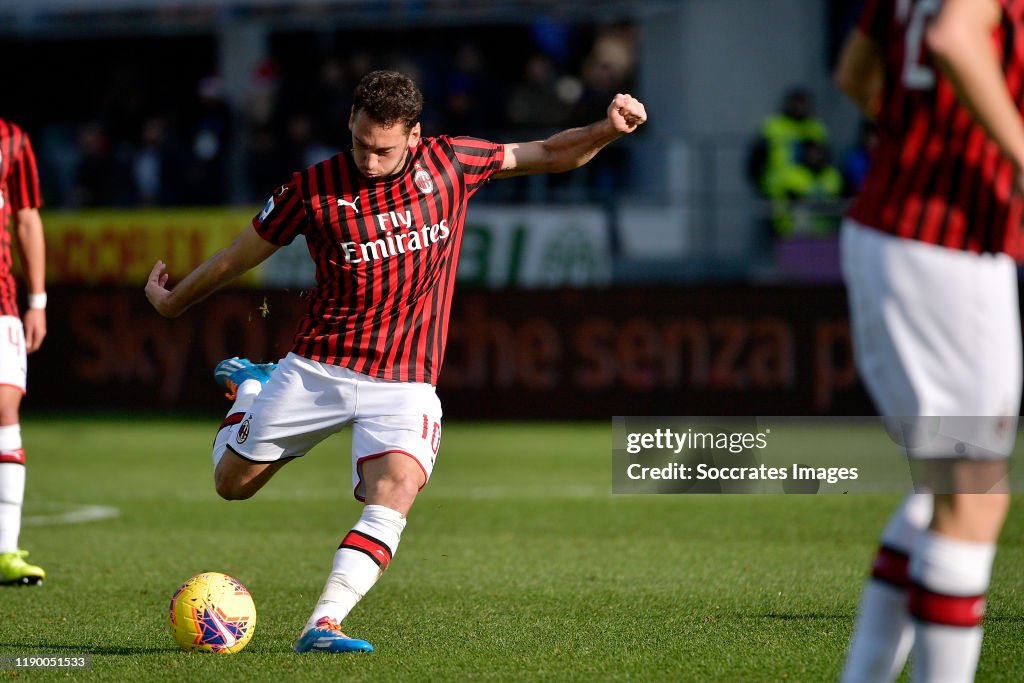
32, 249
246, 252
960, 40
572, 148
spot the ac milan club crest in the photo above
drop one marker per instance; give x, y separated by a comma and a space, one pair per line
423, 180
243, 432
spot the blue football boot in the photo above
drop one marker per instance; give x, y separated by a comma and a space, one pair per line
230, 373
326, 636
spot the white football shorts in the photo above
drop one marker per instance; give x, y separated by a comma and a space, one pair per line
305, 401
936, 333
13, 359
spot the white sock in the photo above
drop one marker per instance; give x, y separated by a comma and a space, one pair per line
950, 577
361, 558
12, 486
246, 395
884, 632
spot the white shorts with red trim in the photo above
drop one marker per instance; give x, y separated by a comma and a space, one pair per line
936, 333
305, 401
13, 359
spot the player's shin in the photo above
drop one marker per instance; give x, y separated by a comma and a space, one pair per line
947, 599
12, 486
883, 634
360, 560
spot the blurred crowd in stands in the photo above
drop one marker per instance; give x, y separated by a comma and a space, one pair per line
207, 150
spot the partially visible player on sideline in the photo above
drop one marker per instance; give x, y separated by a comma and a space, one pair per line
928, 253
383, 223
20, 199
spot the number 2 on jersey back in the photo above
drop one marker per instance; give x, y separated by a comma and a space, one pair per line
916, 74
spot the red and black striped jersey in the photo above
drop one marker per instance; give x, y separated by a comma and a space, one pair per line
19, 189
386, 251
935, 175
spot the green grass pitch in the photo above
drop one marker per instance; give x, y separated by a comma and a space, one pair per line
517, 564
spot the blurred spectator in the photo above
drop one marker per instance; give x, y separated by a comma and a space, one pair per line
471, 103
123, 102
332, 102
266, 164
302, 148
778, 145
57, 156
206, 175
433, 89
360, 64
805, 196
156, 165
554, 38
607, 70
537, 102
262, 93
96, 173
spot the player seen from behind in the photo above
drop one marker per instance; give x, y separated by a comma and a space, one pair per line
928, 256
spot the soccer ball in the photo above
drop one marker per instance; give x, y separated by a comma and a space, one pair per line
212, 612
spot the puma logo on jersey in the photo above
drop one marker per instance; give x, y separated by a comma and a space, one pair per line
352, 204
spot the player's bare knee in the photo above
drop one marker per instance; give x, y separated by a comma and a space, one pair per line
230, 489
402, 483
395, 487
395, 472
224, 488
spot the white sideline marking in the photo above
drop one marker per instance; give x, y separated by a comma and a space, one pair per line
73, 514
435, 489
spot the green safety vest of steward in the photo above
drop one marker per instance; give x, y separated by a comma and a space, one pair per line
783, 136
801, 183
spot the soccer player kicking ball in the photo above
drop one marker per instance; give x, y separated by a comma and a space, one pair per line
928, 256
20, 199
383, 223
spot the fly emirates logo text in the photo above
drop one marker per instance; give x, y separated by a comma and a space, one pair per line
400, 237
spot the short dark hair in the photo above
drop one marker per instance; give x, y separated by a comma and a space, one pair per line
389, 97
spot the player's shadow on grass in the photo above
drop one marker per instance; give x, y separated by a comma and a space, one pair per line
40, 649
805, 617
1002, 618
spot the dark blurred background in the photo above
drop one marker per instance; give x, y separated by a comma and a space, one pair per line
687, 277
